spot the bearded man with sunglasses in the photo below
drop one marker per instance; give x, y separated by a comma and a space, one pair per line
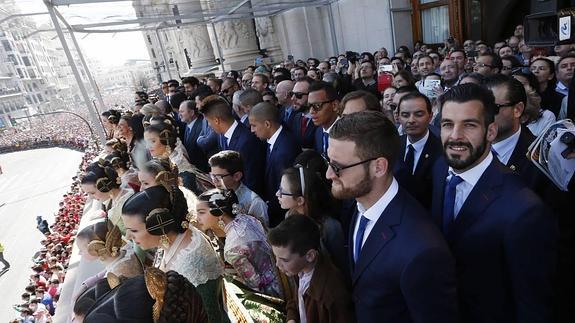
401, 267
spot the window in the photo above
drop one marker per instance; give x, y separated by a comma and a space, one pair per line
6, 45
431, 20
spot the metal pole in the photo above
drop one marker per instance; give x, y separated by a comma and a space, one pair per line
83, 61
332, 30
218, 47
93, 114
164, 56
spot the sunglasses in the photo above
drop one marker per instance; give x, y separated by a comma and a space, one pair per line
337, 169
298, 95
317, 107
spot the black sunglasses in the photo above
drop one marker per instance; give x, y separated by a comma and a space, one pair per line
337, 169
298, 95
317, 107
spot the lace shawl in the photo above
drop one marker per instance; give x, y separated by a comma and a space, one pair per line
198, 261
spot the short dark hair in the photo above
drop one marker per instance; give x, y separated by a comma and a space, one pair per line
264, 78
515, 90
458, 50
229, 160
370, 100
413, 96
250, 97
372, 132
214, 106
297, 232
191, 80
495, 61
300, 68
471, 92
330, 91
173, 83
564, 58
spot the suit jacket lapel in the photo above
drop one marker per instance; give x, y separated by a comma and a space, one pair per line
235, 136
518, 159
481, 197
379, 236
424, 156
440, 176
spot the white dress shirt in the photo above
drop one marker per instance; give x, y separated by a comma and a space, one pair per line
304, 282
244, 117
505, 147
418, 148
561, 88
375, 211
274, 137
470, 178
230, 132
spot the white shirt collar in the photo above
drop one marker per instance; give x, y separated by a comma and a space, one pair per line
375, 211
418, 145
472, 176
230, 131
328, 129
505, 147
244, 117
191, 124
274, 137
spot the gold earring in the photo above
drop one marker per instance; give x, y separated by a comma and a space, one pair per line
221, 224
165, 241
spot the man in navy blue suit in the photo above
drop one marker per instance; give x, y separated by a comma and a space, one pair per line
420, 148
323, 104
234, 135
303, 128
282, 149
401, 267
194, 124
501, 234
512, 140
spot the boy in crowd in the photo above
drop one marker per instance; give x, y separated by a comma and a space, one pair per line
322, 295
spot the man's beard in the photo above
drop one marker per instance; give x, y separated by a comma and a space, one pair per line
360, 189
474, 154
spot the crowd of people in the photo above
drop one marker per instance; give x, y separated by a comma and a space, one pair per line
50, 264
64, 131
360, 188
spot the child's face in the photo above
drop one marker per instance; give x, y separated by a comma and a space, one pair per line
290, 263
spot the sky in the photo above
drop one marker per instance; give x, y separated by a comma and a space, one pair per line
108, 49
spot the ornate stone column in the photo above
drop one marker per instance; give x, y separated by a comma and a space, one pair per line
237, 39
267, 36
195, 38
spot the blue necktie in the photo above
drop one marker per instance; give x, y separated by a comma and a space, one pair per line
325, 142
363, 221
269, 152
449, 202
410, 158
187, 134
224, 143
494, 152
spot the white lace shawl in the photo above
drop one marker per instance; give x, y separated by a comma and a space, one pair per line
198, 261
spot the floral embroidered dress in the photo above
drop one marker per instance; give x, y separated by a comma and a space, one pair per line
199, 263
248, 251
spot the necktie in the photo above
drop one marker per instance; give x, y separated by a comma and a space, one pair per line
187, 134
224, 143
269, 152
363, 221
303, 125
449, 202
494, 152
410, 158
325, 142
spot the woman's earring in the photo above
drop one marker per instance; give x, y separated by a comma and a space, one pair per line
165, 241
221, 224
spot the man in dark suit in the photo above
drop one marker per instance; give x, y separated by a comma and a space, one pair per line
401, 267
501, 234
323, 104
419, 147
194, 124
248, 99
282, 149
303, 128
512, 140
234, 135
